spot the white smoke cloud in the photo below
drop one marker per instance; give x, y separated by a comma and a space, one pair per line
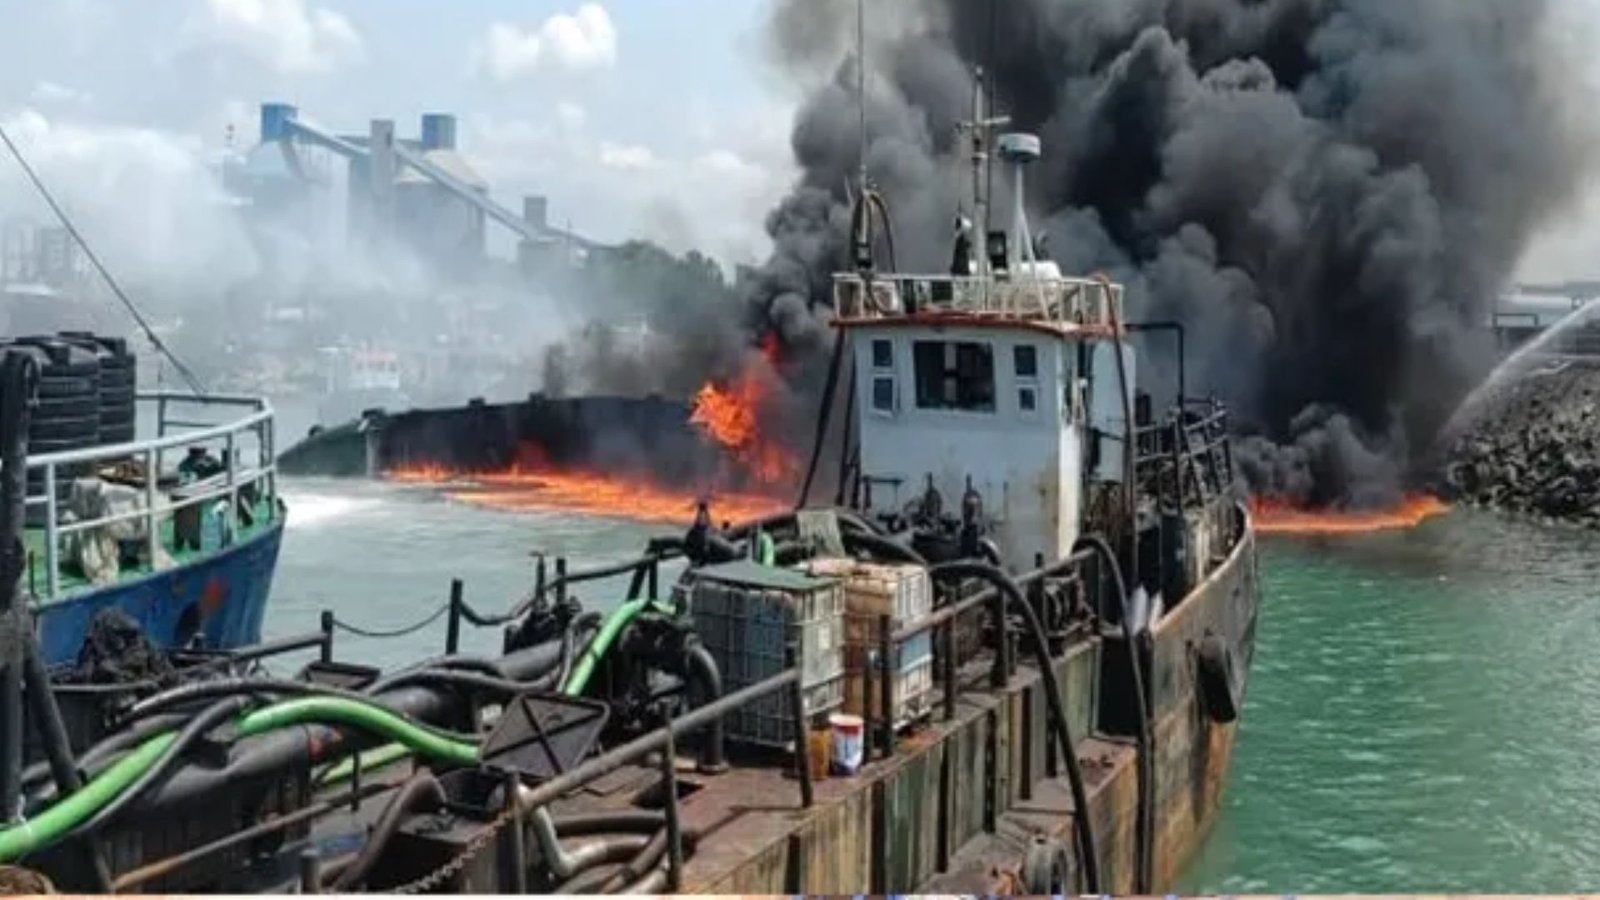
580, 41
148, 201
285, 36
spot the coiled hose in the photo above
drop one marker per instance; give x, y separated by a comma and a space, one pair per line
1006, 585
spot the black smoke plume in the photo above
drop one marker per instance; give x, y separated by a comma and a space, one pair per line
1327, 193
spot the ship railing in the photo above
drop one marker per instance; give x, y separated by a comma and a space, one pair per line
247, 429
1055, 300
1187, 459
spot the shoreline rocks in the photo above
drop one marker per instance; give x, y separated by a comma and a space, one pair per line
1532, 446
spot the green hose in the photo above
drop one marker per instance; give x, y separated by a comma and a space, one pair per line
359, 715
69, 812
618, 620
376, 758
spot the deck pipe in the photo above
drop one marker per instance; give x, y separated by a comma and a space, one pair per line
1007, 586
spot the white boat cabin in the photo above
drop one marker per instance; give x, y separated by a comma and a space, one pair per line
993, 385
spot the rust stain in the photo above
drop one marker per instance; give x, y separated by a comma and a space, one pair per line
212, 598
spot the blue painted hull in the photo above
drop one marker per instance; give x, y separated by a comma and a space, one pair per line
226, 591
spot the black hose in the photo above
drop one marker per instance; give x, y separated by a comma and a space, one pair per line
1084, 823
702, 668
881, 546
573, 644
197, 728
458, 663
824, 413
463, 679
419, 792
1136, 673
109, 746
236, 687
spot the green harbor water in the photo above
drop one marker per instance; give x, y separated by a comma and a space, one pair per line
1423, 711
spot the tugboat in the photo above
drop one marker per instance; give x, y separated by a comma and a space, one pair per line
1032, 686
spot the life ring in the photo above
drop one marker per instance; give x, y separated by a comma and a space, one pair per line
1214, 666
1047, 869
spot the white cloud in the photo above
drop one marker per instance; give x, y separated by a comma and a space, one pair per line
50, 93
285, 36
580, 41
626, 156
572, 115
147, 200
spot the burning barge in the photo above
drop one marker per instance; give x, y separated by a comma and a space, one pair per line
1034, 688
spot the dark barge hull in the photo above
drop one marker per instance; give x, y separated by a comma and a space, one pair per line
614, 434
955, 809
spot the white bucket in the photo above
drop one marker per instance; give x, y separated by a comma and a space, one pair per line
849, 743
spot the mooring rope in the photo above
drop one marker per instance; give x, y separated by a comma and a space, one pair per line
427, 620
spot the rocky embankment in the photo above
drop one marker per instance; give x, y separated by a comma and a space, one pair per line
1531, 445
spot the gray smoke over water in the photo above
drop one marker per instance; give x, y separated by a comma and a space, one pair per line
1328, 194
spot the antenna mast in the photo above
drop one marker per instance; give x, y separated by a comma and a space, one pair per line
978, 132
861, 85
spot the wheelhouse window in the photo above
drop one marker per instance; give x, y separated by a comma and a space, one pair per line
1025, 366
954, 375
883, 376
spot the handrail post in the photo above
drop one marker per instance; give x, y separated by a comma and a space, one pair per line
802, 736
327, 635
887, 655
152, 471
1001, 673
52, 535
232, 518
452, 632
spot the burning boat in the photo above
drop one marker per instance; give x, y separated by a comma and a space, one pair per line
1011, 659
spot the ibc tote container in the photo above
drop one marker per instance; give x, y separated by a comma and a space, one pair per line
746, 614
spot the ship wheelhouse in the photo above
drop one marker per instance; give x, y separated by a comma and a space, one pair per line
969, 387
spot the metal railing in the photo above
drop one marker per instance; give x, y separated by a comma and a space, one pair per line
234, 437
1048, 299
1188, 459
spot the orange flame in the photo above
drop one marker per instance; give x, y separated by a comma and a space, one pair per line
731, 416
533, 485
1277, 517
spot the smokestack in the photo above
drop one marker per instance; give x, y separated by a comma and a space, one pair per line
438, 132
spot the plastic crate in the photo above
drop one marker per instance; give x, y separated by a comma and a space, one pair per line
905, 594
747, 615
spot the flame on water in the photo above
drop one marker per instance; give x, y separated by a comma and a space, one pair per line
1277, 517
533, 486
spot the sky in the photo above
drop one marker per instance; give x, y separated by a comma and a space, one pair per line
660, 119
635, 117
